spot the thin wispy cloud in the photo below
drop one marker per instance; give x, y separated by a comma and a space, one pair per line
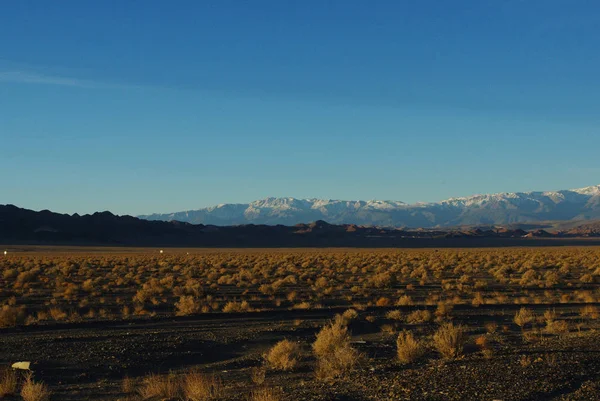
42, 79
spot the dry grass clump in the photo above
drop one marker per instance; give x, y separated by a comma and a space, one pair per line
419, 316
553, 325
153, 385
128, 385
350, 315
444, 310
335, 355
187, 305
491, 327
383, 301
525, 361
409, 349
265, 394
236, 307
258, 375
404, 300
524, 317
11, 316
58, 314
284, 355
394, 315
449, 340
34, 391
8, 382
590, 312
197, 386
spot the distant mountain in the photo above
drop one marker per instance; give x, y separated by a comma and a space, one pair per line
503, 208
21, 226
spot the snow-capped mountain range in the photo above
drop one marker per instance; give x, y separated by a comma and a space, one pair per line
501, 208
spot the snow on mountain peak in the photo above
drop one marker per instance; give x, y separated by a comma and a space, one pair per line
592, 190
499, 208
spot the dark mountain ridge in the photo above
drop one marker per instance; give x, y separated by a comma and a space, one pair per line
23, 226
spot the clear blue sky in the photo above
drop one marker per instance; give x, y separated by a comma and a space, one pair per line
158, 106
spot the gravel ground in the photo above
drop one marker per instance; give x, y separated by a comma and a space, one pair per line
87, 361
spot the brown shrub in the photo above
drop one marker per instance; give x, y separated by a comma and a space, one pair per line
32, 391
257, 374
383, 301
8, 382
153, 385
58, 314
408, 348
233, 307
128, 385
404, 300
335, 355
444, 310
590, 312
449, 340
197, 386
350, 315
524, 317
11, 316
482, 342
284, 355
491, 327
419, 316
394, 315
187, 305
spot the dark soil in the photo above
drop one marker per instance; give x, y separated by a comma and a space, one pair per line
87, 361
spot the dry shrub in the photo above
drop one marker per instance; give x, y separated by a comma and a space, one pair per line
549, 316
404, 300
487, 353
350, 315
11, 316
257, 375
302, 305
197, 386
419, 316
154, 385
383, 301
554, 326
482, 342
8, 382
394, 315
128, 385
335, 355
388, 329
234, 307
449, 340
187, 305
443, 310
590, 312
32, 391
265, 394
58, 314
557, 326
477, 300
491, 327
525, 361
409, 349
284, 355
524, 317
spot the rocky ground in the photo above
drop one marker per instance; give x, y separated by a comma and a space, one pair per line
88, 361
